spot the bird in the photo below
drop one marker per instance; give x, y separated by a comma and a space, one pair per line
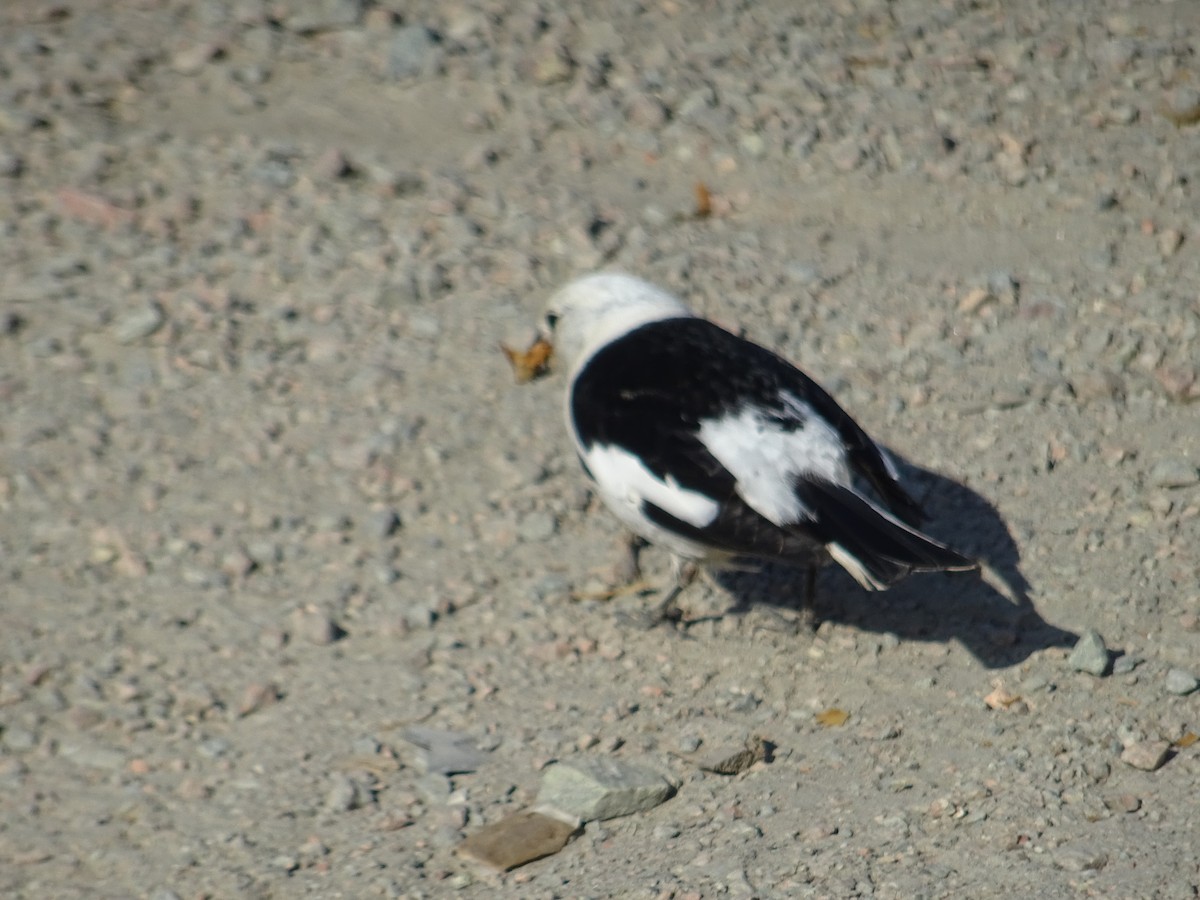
717, 449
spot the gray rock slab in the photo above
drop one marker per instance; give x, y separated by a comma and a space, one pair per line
446, 752
597, 788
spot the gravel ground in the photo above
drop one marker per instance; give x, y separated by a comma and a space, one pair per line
271, 500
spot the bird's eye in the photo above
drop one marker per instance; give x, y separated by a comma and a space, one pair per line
551, 320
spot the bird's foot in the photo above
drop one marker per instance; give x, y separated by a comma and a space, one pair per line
665, 611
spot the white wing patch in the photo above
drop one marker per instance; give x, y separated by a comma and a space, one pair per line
626, 482
766, 459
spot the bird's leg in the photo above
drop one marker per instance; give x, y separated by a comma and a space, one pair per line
627, 569
626, 572
808, 604
684, 573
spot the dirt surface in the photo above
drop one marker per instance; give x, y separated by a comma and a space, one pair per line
271, 499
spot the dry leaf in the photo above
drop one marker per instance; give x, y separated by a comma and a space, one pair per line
703, 201
756, 749
832, 717
532, 363
1189, 115
1187, 740
1000, 697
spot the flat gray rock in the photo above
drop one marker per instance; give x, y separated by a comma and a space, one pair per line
445, 752
595, 788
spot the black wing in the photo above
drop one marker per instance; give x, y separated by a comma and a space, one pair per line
650, 390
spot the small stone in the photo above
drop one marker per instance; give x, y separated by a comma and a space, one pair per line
194, 700
383, 524
847, 154
315, 627
1181, 382
551, 64
1101, 259
411, 52
191, 60
1169, 241
600, 788
1182, 105
1180, 682
332, 164
214, 748
11, 164
256, 696
312, 849
237, 564
1146, 755
536, 527
1080, 859
1173, 473
1126, 803
193, 789
445, 752
518, 839
753, 144
345, 794
1090, 654
18, 740
139, 324
94, 756
285, 862
1126, 663
325, 15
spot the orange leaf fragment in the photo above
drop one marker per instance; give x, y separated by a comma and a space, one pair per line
1187, 740
703, 201
832, 717
532, 363
1001, 697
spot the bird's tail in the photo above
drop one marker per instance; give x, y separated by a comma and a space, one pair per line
873, 545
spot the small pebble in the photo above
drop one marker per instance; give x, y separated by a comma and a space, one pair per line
1090, 654
344, 794
536, 527
1146, 755
1181, 682
1126, 663
1176, 472
411, 52
137, 325
315, 627
1080, 858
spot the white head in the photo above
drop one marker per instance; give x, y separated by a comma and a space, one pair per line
590, 311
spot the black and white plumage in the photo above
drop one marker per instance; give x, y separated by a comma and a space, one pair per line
714, 447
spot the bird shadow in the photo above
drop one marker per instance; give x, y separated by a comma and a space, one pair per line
997, 623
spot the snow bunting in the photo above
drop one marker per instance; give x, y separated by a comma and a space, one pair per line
714, 447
